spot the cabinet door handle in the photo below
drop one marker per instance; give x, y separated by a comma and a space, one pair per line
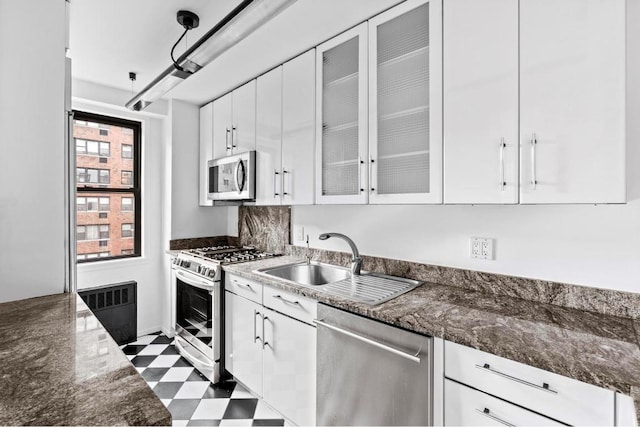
284, 181
264, 341
360, 163
226, 139
275, 182
534, 180
544, 387
255, 332
503, 183
371, 173
233, 143
487, 413
286, 300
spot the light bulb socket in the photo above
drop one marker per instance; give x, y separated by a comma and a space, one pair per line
132, 76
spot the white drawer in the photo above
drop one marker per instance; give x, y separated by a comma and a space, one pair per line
464, 406
565, 399
296, 306
249, 289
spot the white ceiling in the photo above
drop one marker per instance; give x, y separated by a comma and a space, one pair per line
110, 38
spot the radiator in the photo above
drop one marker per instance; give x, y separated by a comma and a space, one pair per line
115, 306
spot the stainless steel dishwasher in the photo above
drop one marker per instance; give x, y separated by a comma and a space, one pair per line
370, 373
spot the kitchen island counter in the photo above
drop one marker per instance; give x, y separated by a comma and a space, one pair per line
59, 366
595, 348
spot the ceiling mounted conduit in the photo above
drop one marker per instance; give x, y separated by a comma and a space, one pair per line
247, 17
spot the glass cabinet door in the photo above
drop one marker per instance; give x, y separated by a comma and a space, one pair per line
405, 116
342, 118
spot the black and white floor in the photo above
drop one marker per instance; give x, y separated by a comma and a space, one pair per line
190, 397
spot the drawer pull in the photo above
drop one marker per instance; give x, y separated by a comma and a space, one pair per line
543, 387
243, 285
487, 413
286, 300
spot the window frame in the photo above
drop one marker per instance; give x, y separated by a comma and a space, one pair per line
106, 190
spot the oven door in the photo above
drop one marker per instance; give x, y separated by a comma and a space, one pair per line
232, 177
194, 311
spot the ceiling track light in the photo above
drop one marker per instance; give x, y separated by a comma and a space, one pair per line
247, 17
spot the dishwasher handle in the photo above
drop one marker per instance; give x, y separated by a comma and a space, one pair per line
386, 347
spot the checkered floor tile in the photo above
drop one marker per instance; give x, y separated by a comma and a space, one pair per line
189, 396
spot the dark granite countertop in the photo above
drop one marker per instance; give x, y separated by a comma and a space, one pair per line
58, 366
595, 348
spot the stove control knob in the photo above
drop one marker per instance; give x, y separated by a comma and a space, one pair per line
185, 263
212, 273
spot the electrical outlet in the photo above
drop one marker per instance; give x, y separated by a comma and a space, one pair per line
481, 248
299, 233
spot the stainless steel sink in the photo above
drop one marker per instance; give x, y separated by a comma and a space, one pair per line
368, 288
312, 274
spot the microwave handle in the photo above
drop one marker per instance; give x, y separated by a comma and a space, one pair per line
240, 183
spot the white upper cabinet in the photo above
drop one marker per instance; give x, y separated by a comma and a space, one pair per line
285, 133
405, 99
206, 145
341, 118
243, 131
298, 129
222, 126
234, 121
379, 109
269, 138
481, 142
572, 101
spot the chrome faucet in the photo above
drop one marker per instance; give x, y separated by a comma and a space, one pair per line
356, 261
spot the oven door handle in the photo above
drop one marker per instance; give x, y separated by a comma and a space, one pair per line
192, 280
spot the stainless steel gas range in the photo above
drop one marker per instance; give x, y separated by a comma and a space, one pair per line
197, 303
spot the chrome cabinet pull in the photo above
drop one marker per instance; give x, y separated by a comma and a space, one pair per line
244, 285
255, 332
284, 180
264, 341
275, 180
360, 163
543, 387
233, 129
286, 300
372, 161
226, 139
503, 183
487, 413
534, 142
396, 351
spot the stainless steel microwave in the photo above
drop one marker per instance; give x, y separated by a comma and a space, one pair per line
233, 177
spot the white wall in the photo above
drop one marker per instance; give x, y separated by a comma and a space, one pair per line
32, 123
587, 245
188, 218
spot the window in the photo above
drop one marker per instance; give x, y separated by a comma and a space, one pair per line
99, 190
93, 148
127, 151
127, 178
127, 230
93, 176
92, 232
127, 204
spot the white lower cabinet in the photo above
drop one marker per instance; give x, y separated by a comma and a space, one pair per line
273, 354
243, 345
465, 406
289, 367
555, 396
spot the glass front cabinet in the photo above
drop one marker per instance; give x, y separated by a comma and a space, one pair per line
379, 114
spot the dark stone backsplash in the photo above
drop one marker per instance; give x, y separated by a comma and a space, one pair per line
202, 242
265, 227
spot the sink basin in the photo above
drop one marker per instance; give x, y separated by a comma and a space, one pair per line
312, 274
